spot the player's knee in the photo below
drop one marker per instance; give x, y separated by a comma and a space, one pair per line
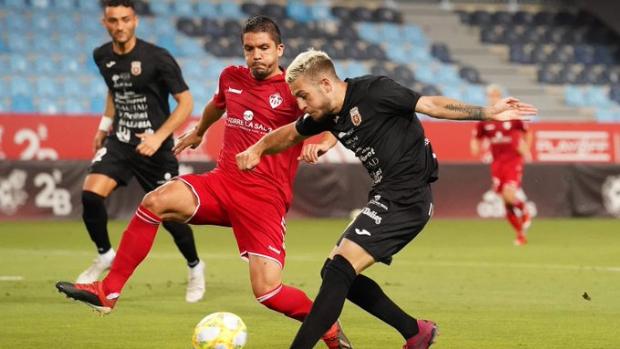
263, 287
154, 202
90, 199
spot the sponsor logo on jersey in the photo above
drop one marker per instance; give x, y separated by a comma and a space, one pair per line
234, 90
248, 115
362, 232
356, 117
372, 214
136, 68
110, 64
275, 100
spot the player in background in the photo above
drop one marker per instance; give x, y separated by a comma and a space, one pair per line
134, 136
256, 100
374, 117
509, 143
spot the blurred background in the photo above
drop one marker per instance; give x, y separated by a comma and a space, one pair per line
562, 56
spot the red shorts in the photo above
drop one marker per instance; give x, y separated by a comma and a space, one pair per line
506, 173
255, 214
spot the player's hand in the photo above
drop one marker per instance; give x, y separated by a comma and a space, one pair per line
512, 109
98, 141
149, 144
248, 159
310, 153
189, 139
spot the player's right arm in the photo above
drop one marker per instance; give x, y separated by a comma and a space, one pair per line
271, 143
106, 122
193, 138
311, 152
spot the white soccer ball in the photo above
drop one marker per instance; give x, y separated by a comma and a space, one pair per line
220, 331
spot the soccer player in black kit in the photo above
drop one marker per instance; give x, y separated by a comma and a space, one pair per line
374, 117
134, 135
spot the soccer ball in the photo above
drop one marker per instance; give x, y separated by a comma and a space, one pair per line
220, 331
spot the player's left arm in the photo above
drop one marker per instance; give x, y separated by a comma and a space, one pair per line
447, 108
271, 143
151, 142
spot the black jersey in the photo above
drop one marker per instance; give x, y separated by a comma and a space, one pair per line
140, 82
378, 123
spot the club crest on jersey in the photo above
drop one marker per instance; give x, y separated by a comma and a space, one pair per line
356, 117
136, 68
275, 100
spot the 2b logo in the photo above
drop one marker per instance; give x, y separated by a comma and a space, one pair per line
58, 199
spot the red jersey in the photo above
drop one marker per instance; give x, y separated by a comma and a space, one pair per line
254, 108
504, 137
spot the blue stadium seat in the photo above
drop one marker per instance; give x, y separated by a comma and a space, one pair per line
45, 65
48, 106
72, 87
447, 74
97, 104
231, 10
19, 44
160, 8
597, 96
441, 52
369, 32
184, 8
88, 6
22, 104
207, 9
74, 106
355, 68
298, 11
19, 64
66, 25
608, 115
475, 94
16, 4
452, 91
65, 4
5, 106
414, 34
470, 74
47, 87
20, 86
574, 96
321, 12
4, 48
425, 74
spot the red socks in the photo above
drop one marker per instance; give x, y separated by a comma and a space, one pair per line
289, 301
135, 244
513, 218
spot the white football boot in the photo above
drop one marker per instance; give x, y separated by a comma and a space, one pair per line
100, 264
195, 283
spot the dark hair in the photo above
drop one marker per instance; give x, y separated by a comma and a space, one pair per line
115, 3
262, 24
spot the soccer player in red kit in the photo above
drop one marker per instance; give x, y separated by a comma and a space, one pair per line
509, 143
256, 100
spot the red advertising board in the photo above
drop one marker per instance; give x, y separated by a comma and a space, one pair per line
36, 137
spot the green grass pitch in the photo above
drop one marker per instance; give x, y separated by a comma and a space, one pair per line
464, 274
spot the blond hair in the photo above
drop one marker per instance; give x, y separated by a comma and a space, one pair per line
311, 62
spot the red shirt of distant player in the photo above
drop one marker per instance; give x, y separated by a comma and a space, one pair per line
253, 202
504, 138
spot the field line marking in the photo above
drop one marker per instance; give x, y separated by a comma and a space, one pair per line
11, 278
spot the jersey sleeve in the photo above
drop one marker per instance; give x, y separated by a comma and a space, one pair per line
171, 73
520, 126
219, 98
306, 126
393, 98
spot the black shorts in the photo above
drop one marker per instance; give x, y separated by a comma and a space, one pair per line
384, 226
121, 162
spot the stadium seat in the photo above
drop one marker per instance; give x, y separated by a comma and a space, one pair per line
382, 14
207, 9
470, 74
475, 94
72, 87
597, 96
48, 106
97, 105
47, 87
16, 4
231, 10
184, 8
362, 14
441, 52
452, 91
45, 65
73, 106
89, 5
4, 104
608, 115
19, 64
574, 96
160, 8
22, 104
65, 4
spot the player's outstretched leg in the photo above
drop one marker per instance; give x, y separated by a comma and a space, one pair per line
266, 279
173, 201
515, 208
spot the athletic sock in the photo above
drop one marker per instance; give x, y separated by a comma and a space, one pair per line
368, 295
514, 220
338, 277
135, 244
184, 239
287, 300
95, 219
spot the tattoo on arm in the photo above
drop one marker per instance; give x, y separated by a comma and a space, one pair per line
471, 112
